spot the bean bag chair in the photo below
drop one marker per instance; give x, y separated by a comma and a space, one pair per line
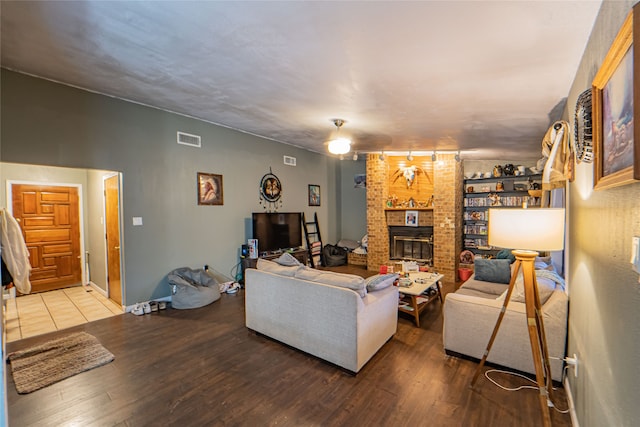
192, 288
334, 255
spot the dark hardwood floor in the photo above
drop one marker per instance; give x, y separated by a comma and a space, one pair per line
203, 367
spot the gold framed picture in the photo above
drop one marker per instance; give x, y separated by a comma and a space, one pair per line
616, 109
209, 189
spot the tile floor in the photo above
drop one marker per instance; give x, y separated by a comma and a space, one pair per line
36, 314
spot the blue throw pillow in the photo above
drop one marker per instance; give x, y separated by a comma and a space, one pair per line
493, 270
506, 254
380, 281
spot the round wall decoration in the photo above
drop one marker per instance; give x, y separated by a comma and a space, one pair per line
270, 191
582, 128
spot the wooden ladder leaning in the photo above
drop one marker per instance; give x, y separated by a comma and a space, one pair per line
314, 240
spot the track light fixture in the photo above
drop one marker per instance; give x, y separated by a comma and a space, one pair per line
457, 157
381, 156
409, 156
434, 157
355, 156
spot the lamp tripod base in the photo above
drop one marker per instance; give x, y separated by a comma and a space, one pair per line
525, 261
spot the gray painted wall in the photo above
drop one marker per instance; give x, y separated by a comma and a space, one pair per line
604, 320
50, 124
353, 212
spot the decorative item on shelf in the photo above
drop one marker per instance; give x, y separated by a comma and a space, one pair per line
520, 187
509, 169
430, 202
485, 189
521, 170
494, 199
499, 186
497, 171
470, 189
466, 257
412, 203
270, 192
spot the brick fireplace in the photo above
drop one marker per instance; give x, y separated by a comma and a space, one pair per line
443, 180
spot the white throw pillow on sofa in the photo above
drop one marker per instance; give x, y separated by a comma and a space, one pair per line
349, 281
275, 268
545, 289
288, 260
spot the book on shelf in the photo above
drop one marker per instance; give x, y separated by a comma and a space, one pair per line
405, 306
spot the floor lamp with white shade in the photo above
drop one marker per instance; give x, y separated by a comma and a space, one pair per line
530, 231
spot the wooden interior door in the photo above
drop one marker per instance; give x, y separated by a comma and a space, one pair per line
49, 217
112, 215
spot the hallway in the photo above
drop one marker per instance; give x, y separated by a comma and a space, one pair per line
44, 312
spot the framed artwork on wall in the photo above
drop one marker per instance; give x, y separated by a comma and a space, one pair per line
615, 117
314, 195
209, 189
411, 218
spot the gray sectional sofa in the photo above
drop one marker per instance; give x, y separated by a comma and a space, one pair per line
329, 315
471, 312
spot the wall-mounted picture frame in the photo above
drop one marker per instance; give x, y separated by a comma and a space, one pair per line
411, 218
314, 195
209, 188
616, 133
360, 180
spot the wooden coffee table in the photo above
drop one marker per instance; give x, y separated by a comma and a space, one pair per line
420, 282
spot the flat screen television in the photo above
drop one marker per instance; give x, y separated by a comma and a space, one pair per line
277, 230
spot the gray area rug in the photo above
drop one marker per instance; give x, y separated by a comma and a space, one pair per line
42, 365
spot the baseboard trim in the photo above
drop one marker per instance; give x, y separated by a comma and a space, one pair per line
97, 289
572, 407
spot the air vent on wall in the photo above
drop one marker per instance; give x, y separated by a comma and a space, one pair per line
189, 139
290, 161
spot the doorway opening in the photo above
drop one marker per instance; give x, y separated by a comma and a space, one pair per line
70, 219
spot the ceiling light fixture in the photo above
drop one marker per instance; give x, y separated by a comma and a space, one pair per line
339, 145
409, 156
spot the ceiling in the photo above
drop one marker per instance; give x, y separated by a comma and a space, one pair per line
484, 77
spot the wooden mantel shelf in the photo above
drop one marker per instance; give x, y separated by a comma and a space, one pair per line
409, 209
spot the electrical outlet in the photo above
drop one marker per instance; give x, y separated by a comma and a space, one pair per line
573, 361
